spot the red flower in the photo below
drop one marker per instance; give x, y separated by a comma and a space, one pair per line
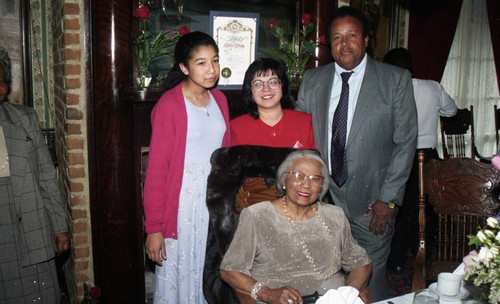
170, 33
142, 12
322, 39
95, 292
306, 19
272, 22
183, 30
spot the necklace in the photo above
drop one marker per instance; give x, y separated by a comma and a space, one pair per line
304, 245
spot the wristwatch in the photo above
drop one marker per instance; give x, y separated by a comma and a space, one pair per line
390, 205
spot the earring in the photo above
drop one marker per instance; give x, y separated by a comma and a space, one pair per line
284, 187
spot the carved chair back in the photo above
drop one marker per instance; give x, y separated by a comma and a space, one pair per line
457, 135
463, 193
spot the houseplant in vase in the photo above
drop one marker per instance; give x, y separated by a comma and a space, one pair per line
148, 47
295, 52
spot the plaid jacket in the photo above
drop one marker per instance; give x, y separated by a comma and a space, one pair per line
37, 196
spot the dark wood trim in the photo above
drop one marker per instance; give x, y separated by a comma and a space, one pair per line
117, 245
25, 17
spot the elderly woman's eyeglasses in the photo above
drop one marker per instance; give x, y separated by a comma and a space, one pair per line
299, 177
258, 85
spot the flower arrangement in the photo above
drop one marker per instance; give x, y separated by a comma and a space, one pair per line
148, 47
296, 52
92, 295
483, 268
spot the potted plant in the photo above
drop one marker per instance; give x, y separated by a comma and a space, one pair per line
147, 47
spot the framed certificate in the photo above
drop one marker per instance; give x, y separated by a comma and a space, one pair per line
236, 35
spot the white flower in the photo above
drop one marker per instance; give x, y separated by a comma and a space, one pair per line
498, 236
485, 255
489, 233
492, 222
481, 236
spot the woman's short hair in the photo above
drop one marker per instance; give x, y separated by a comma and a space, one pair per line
287, 165
5, 63
261, 67
183, 52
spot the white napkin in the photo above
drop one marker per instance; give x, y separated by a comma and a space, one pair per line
460, 270
342, 295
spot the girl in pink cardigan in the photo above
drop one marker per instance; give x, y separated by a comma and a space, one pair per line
189, 122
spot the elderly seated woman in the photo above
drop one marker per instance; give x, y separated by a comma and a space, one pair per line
295, 245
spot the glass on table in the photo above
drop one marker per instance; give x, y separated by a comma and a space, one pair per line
424, 297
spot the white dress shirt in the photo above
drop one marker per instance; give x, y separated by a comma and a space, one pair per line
355, 82
432, 101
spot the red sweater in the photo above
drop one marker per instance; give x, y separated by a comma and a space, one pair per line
166, 160
294, 130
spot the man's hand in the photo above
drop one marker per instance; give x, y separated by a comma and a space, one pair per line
381, 215
155, 245
62, 242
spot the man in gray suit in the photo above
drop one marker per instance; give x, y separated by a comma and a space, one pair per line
365, 127
33, 218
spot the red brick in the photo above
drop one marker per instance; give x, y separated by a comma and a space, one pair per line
76, 159
81, 265
72, 54
77, 200
74, 143
82, 252
79, 291
81, 277
76, 172
72, 69
71, 9
72, 99
71, 39
78, 214
76, 187
80, 239
73, 114
71, 24
72, 83
79, 228
74, 129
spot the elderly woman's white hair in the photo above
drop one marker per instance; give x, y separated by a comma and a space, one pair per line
287, 164
5, 63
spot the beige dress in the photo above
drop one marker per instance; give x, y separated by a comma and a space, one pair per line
266, 248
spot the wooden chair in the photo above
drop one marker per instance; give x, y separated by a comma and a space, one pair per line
240, 177
457, 133
463, 192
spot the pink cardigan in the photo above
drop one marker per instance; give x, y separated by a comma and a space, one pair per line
166, 160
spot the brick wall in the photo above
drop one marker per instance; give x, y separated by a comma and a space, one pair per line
71, 134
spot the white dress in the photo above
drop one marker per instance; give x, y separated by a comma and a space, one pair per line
180, 279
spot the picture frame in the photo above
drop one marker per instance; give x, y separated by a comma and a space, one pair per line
237, 35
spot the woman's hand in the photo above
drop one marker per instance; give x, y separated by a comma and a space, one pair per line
283, 295
155, 245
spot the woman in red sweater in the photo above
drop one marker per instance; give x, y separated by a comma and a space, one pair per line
189, 122
269, 122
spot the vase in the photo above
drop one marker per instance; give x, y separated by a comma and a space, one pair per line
144, 80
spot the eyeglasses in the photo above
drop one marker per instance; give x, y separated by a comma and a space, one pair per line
299, 177
258, 85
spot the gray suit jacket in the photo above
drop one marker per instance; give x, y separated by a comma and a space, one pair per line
382, 139
37, 196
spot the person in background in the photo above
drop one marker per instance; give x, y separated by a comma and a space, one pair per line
189, 122
33, 222
365, 126
296, 244
432, 101
269, 122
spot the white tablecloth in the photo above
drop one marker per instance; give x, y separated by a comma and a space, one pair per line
404, 299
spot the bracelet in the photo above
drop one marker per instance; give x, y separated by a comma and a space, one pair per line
256, 289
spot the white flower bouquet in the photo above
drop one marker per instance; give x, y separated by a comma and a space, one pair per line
483, 268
